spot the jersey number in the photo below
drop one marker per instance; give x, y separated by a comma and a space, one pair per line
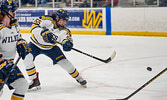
37, 21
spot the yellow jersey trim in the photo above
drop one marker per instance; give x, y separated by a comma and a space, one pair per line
33, 26
2, 26
14, 24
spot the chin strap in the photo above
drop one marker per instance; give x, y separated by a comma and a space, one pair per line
11, 17
13, 21
58, 26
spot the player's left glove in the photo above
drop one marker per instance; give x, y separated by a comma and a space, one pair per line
67, 45
7, 68
48, 36
22, 48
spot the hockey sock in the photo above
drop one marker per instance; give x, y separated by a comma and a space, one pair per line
31, 72
75, 73
17, 97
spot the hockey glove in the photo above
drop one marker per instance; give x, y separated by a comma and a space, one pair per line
22, 48
7, 68
48, 36
67, 45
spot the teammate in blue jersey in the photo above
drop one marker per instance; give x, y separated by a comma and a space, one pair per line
10, 42
46, 31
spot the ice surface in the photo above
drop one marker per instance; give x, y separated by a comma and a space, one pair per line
118, 79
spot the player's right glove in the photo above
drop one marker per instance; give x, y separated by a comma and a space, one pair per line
48, 36
22, 48
67, 45
7, 68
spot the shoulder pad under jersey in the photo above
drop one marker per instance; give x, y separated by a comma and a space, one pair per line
46, 18
67, 30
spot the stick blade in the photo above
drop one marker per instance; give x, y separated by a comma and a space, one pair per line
113, 55
111, 58
119, 99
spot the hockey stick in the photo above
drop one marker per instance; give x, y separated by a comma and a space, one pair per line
163, 71
7, 77
102, 60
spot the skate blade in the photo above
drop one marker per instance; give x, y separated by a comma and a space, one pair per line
84, 86
34, 89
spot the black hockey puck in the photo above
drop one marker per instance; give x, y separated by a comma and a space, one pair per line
149, 68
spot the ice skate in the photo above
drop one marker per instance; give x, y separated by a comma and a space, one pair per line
82, 82
35, 84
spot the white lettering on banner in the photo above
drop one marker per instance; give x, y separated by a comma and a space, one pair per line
21, 19
31, 19
23, 14
74, 19
26, 19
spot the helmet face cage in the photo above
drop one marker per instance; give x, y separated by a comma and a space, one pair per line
62, 14
8, 5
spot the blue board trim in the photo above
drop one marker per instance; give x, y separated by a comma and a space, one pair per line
108, 21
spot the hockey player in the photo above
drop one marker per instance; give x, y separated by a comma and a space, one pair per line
10, 42
45, 32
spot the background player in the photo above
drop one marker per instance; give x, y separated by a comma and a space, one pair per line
10, 41
45, 31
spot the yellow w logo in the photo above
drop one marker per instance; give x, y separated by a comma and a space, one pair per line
2, 65
90, 20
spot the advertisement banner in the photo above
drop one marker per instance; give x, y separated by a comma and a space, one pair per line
26, 17
86, 19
